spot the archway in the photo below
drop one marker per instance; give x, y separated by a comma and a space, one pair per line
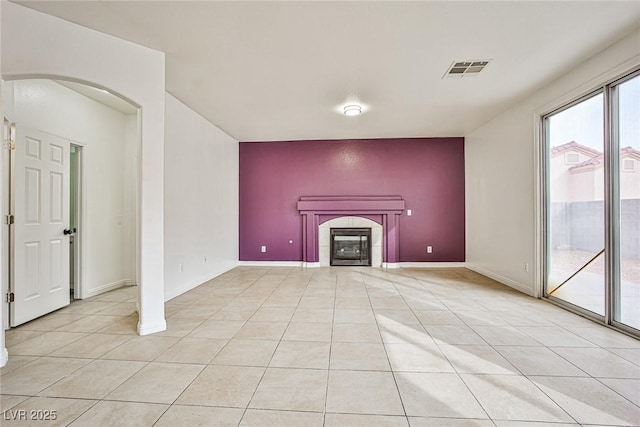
101, 132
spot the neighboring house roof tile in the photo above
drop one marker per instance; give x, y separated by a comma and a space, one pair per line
630, 152
589, 164
598, 161
574, 146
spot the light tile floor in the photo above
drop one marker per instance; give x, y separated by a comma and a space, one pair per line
324, 347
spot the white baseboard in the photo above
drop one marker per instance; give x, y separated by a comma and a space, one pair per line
384, 264
504, 280
88, 293
187, 286
4, 357
271, 263
433, 264
147, 329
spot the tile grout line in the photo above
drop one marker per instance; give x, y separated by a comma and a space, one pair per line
457, 373
206, 365
588, 375
274, 351
333, 318
393, 375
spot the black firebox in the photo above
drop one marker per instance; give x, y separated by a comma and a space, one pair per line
350, 246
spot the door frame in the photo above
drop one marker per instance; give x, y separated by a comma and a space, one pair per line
8, 138
80, 208
603, 83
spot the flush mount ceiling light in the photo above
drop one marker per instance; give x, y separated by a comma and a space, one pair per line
466, 68
352, 110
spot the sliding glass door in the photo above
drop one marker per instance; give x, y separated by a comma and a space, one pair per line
592, 204
576, 204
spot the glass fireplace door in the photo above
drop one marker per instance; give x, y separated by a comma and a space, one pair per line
350, 246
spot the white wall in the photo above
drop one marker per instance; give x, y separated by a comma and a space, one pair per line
630, 183
201, 199
501, 175
36, 44
50, 107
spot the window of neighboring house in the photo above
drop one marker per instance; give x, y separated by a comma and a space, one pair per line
571, 158
628, 165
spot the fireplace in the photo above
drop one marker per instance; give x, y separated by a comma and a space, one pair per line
319, 213
350, 246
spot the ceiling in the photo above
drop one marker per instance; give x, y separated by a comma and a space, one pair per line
284, 70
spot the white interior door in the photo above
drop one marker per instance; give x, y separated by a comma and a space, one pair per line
40, 195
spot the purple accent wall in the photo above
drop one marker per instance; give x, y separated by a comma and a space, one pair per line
428, 173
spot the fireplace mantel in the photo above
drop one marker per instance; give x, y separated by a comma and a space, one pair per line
383, 209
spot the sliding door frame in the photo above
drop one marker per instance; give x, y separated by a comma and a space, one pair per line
614, 260
612, 284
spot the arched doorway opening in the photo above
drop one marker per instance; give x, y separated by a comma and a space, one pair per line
72, 186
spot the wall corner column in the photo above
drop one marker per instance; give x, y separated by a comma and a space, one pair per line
151, 220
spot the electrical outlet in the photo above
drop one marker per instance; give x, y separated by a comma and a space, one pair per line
429, 249
263, 249
181, 268
204, 259
408, 212
526, 267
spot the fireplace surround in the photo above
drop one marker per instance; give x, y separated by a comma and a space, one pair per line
324, 238
383, 210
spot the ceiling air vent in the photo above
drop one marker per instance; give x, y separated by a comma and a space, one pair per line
466, 68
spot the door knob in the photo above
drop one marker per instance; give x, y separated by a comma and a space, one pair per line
67, 231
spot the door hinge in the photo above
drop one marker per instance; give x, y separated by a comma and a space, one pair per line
12, 137
10, 297
9, 219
